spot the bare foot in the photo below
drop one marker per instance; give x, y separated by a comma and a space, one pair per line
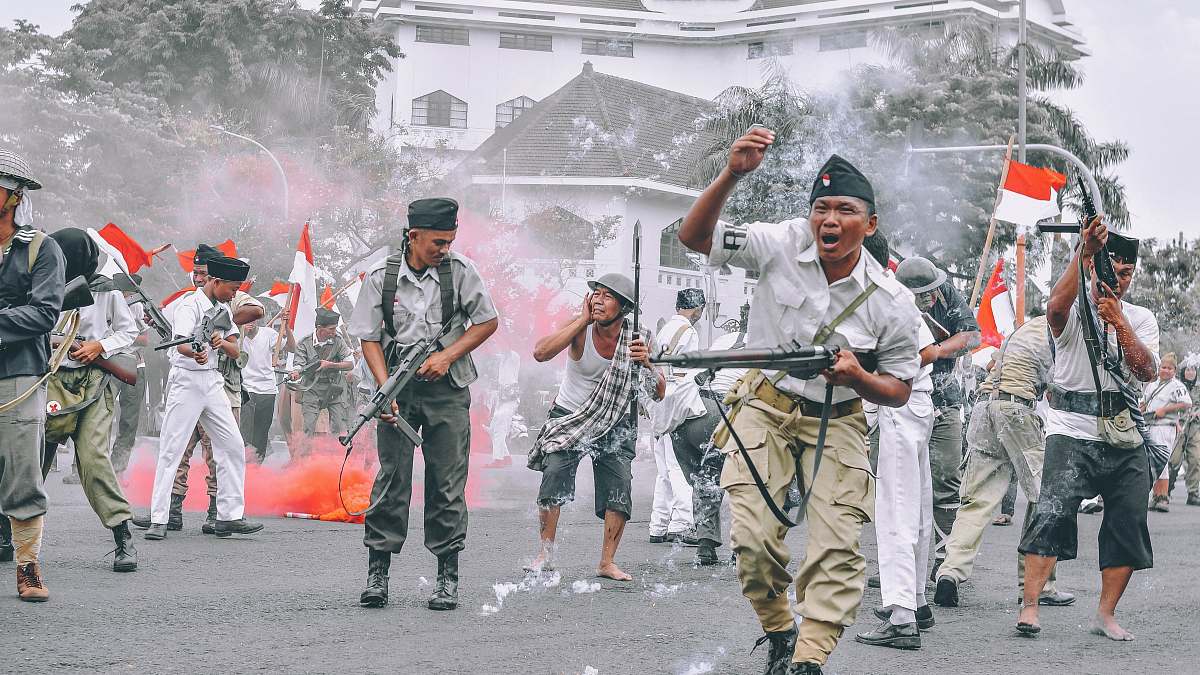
1027, 620
1109, 628
611, 571
541, 563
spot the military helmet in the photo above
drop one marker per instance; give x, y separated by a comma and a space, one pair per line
619, 284
919, 274
14, 166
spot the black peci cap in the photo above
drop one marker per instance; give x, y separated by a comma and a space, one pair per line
1122, 249
228, 269
326, 317
433, 214
839, 178
204, 253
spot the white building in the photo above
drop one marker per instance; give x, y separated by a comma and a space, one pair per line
470, 66
620, 138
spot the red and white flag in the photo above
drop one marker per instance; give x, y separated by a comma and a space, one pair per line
302, 310
131, 252
1029, 194
996, 316
186, 258
354, 288
278, 288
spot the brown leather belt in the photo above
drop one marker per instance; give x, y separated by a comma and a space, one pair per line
1005, 396
786, 403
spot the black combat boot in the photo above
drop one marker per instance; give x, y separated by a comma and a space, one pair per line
6, 545
706, 554
210, 522
782, 645
445, 594
175, 515
376, 593
125, 557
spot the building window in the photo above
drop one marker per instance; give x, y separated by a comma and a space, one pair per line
603, 47
443, 35
439, 109
832, 42
671, 253
762, 50
510, 110
528, 41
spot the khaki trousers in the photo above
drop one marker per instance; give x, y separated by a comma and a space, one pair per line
1004, 438
829, 583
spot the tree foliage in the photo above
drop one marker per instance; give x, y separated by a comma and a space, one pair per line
1167, 282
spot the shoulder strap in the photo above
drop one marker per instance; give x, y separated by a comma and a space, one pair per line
449, 292
391, 274
35, 245
675, 340
826, 332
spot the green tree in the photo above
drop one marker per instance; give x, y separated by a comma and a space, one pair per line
1167, 283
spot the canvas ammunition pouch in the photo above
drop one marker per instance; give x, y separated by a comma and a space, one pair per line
67, 395
462, 372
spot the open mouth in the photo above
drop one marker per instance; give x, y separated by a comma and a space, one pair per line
829, 241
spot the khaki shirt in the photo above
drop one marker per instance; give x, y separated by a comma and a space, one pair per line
1024, 363
328, 384
793, 301
417, 312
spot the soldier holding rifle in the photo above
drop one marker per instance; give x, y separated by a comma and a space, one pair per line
814, 278
407, 298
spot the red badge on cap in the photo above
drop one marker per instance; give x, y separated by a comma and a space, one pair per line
825, 180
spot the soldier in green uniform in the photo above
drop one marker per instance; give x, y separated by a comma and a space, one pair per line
409, 297
319, 372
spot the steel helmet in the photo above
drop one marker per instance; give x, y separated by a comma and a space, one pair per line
919, 274
619, 284
14, 166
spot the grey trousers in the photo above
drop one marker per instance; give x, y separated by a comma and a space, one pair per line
702, 464
440, 413
22, 437
132, 401
945, 465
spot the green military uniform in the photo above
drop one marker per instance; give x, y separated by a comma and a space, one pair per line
399, 307
777, 419
327, 389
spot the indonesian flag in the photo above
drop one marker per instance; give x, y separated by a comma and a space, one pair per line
1029, 194
302, 310
131, 252
327, 299
186, 258
278, 288
354, 288
996, 315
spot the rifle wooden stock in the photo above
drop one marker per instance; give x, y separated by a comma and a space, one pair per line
107, 365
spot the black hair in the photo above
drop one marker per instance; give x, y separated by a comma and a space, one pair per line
877, 245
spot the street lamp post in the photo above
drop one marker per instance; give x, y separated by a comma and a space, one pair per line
278, 166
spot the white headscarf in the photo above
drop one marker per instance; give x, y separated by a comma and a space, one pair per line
24, 215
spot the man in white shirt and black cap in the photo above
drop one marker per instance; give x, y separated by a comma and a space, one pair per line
196, 394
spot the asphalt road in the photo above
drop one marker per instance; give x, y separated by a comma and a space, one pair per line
285, 600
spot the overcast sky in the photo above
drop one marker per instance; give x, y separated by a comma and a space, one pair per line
1141, 88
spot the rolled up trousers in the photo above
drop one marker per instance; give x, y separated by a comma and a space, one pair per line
199, 396
904, 501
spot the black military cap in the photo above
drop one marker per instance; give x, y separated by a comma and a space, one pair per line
326, 317
228, 269
1122, 249
204, 253
433, 214
689, 298
839, 178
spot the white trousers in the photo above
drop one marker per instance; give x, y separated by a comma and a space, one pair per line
904, 502
1163, 434
672, 511
199, 396
499, 427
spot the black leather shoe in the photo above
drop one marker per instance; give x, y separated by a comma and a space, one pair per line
210, 522
125, 556
156, 532
445, 594
175, 515
888, 634
782, 645
376, 593
805, 668
658, 538
225, 528
1193, 499
873, 581
684, 538
706, 554
924, 616
946, 593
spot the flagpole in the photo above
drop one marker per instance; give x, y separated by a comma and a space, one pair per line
1020, 299
987, 242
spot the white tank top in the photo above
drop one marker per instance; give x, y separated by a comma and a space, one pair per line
582, 376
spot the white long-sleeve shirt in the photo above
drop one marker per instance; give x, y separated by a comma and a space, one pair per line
109, 322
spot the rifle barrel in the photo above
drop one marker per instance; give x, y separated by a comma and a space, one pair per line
747, 358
